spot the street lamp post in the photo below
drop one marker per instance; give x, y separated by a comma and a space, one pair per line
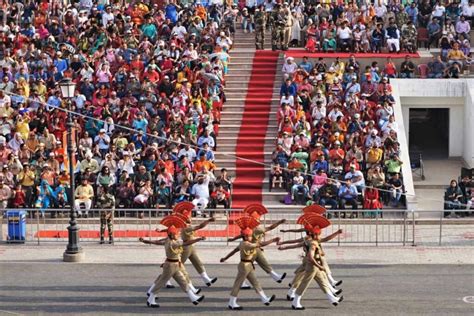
73, 251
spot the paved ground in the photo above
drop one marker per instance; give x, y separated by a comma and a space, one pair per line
57, 288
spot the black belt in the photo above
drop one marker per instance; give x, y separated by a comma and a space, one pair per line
172, 260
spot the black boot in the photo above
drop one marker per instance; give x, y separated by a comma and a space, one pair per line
274, 48
101, 240
111, 240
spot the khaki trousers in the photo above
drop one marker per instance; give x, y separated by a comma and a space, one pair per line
190, 253
171, 270
245, 270
312, 272
262, 261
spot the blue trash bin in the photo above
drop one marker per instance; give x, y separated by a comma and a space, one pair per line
16, 221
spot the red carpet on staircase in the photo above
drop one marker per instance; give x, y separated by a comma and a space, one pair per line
247, 187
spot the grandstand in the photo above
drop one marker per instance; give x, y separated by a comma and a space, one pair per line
143, 95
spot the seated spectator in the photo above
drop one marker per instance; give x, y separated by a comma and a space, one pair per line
436, 68
83, 194
407, 68
452, 199
392, 36
356, 178
347, 195
328, 194
220, 196
456, 55
434, 32
299, 186
394, 165
200, 191
372, 200
396, 188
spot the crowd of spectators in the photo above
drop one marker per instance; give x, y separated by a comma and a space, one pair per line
374, 26
337, 142
459, 196
155, 67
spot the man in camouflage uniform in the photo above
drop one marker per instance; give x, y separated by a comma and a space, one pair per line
106, 202
278, 22
288, 25
260, 21
409, 36
401, 17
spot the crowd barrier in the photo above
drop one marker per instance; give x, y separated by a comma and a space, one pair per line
359, 227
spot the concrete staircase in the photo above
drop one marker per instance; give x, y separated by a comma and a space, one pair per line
240, 69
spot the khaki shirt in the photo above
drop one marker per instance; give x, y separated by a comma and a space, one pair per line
187, 234
247, 250
173, 249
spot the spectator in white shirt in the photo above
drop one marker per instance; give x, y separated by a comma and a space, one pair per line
289, 67
200, 190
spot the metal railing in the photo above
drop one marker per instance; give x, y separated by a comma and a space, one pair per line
360, 227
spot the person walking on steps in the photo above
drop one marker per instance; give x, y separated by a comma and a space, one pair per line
256, 211
246, 270
172, 267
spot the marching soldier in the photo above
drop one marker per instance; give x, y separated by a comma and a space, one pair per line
246, 269
313, 209
260, 21
187, 234
313, 265
278, 23
299, 272
255, 211
106, 202
287, 27
172, 267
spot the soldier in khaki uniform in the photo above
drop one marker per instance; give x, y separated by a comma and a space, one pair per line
247, 249
299, 272
189, 252
313, 265
172, 267
257, 210
287, 27
260, 20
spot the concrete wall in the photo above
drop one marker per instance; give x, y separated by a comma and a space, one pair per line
456, 120
468, 154
456, 95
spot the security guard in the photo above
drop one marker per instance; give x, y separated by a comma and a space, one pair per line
172, 267
409, 36
106, 202
278, 22
246, 269
260, 21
